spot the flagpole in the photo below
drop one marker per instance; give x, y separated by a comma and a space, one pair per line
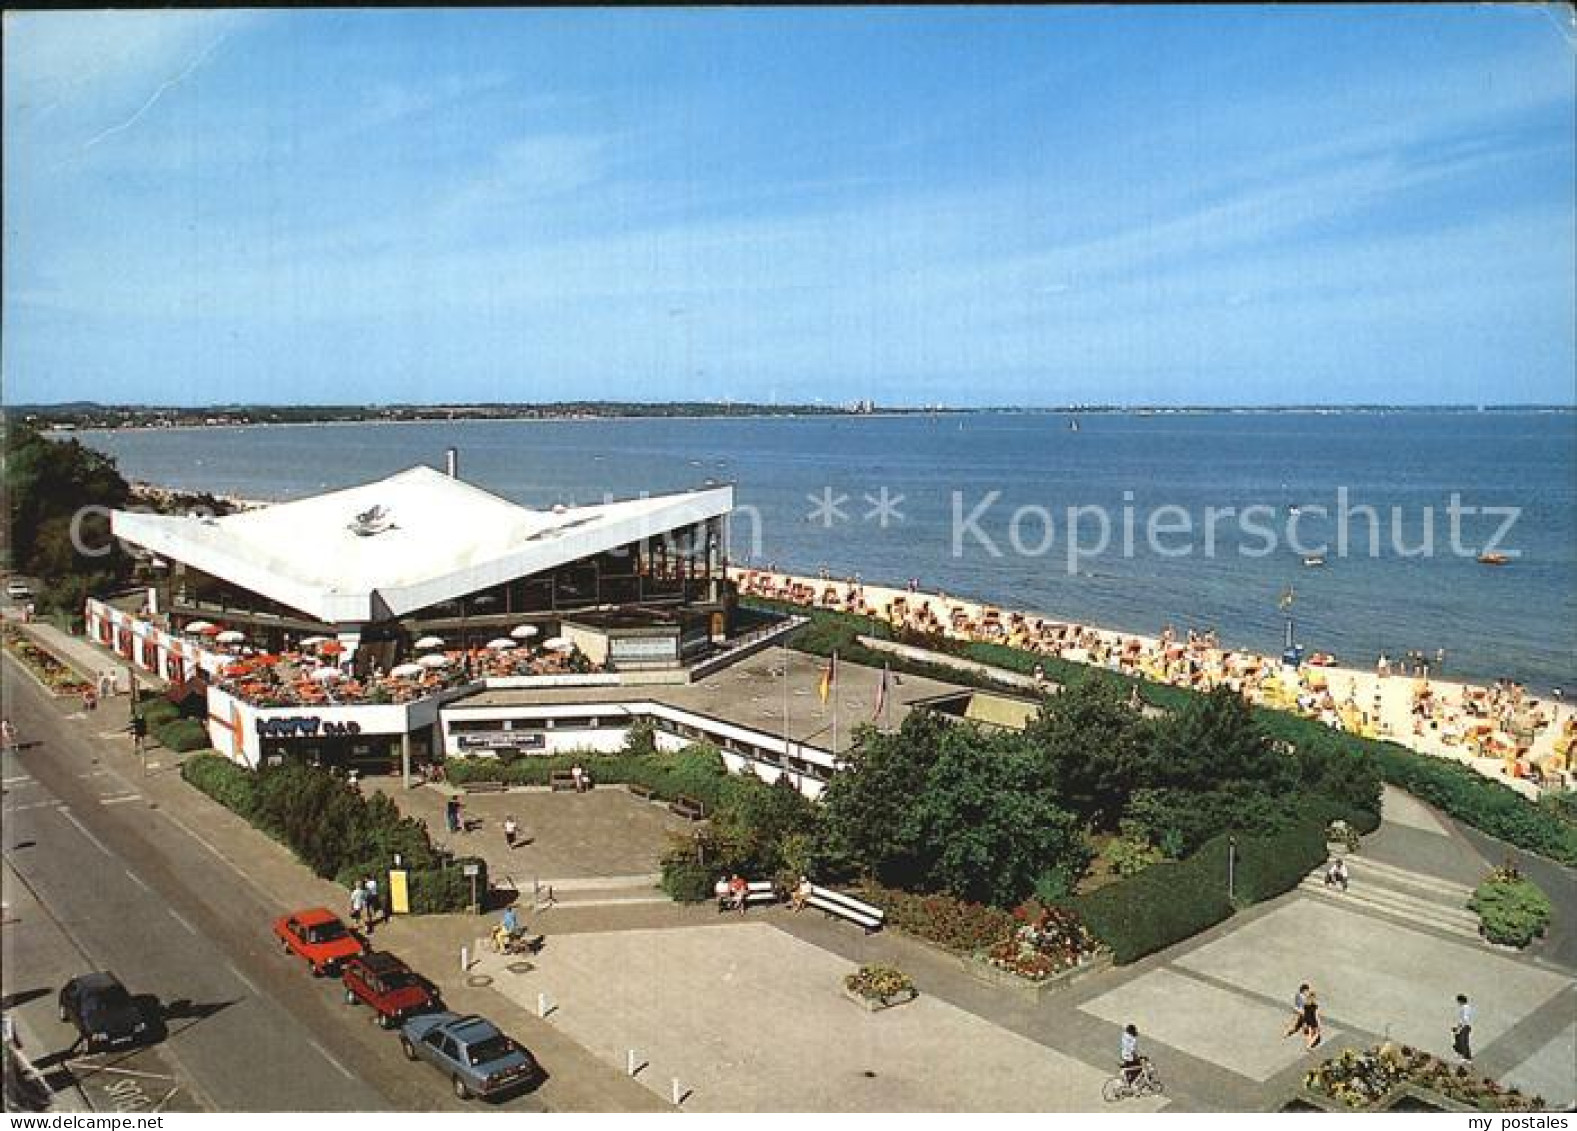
832, 689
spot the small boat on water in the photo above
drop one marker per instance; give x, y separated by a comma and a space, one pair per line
1314, 560
1493, 559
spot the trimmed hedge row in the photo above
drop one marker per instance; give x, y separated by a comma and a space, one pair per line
696, 771
335, 830
1167, 903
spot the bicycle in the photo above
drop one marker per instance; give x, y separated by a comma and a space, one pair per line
1146, 1082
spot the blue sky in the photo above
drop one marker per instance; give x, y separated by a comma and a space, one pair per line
1026, 206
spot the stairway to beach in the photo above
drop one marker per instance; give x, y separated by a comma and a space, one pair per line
1415, 899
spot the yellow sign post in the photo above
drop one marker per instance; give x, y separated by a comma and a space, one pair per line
399, 892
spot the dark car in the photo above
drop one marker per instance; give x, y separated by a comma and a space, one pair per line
389, 986
106, 1016
478, 1059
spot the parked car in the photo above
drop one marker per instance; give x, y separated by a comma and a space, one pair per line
105, 1015
393, 990
317, 935
478, 1059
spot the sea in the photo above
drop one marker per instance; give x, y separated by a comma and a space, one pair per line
1213, 521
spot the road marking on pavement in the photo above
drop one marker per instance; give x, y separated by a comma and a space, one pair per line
21, 779
136, 879
343, 1071
181, 919
200, 839
52, 803
83, 829
244, 980
121, 800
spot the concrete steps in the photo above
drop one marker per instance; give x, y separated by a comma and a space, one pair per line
603, 891
1412, 898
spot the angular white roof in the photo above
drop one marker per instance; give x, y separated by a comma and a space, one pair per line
403, 543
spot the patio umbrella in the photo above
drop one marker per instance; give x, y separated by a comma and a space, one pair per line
557, 644
230, 636
327, 675
314, 641
433, 660
524, 631
502, 644
405, 671
202, 627
430, 642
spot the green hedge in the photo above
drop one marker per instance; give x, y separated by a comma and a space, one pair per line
181, 735
158, 712
696, 771
1162, 905
333, 829
687, 881
1167, 903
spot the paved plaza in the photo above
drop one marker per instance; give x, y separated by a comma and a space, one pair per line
605, 833
749, 1018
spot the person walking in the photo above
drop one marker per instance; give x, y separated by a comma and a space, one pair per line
1311, 1020
7, 735
358, 904
510, 830
374, 902
1298, 1000
1462, 1031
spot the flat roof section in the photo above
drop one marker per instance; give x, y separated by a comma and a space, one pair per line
403, 543
751, 693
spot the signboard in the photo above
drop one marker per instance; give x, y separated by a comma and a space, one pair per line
473, 869
399, 892
642, 648
501, 740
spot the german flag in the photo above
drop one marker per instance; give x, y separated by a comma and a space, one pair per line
829, 676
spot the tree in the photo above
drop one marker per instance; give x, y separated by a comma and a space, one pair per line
1214, 742
47, 484
868, 821
988, 821
1096, 746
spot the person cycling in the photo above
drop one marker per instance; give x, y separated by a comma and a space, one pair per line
1128, 1055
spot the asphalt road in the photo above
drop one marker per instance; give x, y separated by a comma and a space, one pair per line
127, 889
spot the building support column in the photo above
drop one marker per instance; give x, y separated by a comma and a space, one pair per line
405, 759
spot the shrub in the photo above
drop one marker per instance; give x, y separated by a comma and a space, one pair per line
1512, 912
232, 785
1162, 905
953, 924
1274, 863
159, 711
181, 735
446, 887
687, 881
1128, 856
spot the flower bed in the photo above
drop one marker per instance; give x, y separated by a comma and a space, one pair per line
1369, 1080
51, 672
1049, 941
878, 987
952, 924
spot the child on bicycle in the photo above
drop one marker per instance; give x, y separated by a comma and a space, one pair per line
1128, 1055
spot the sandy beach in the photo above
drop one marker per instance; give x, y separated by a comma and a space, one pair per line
1501, 731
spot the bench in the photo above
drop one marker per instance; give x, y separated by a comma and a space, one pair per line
758, 891
846, 907
644, 792
560, 780
688, 808
484, 787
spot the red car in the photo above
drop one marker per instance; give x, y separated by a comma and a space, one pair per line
318, 936
392, 988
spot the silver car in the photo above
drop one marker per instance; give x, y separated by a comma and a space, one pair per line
478, 1059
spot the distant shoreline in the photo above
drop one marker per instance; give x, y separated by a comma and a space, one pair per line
57, 421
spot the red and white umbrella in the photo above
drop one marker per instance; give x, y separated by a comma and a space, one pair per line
202, 628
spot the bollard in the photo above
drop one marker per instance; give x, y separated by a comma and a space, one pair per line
465, 959
544, 1006
678, 1095
629, 1062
